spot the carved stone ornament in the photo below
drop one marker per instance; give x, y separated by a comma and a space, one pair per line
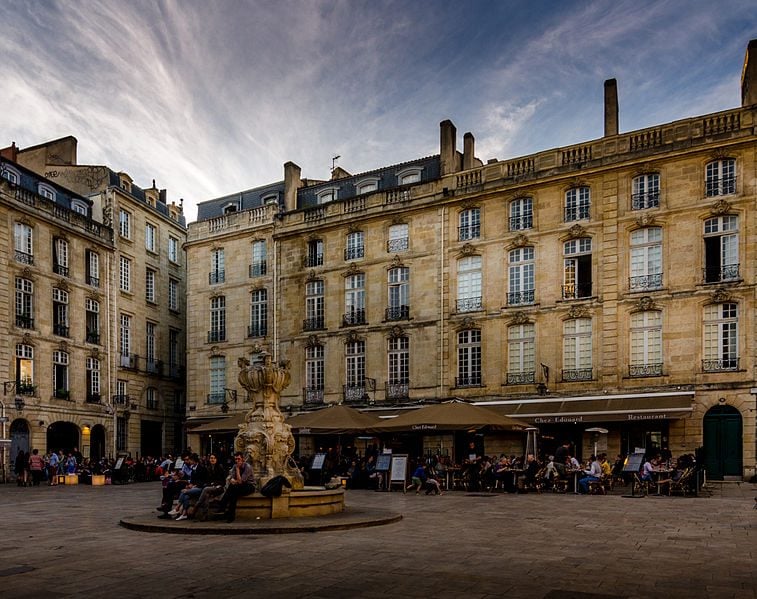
467, 323
579, 312
519, 241
396, 332
720, 207
63, 346
468, 205
397, 220
243, 362
312, 341
95, 353
577, 231
354, 228
27, 273
719, 154
215, 247
215, 294
720, 296
108, 213
645, 304
646, 168
311, 276
214, 351
62, 284
63, 235
395, 263
27, 339
645, 220
353, 269
94, 296
256, 349
353, 337
467, 250
519, 318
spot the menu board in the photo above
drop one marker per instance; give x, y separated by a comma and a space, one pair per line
633, 462
318, 461
399, 468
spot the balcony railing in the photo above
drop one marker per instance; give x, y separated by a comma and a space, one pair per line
468, 381
93, 337
466, 232
576, 213
355, 394
24, 258
720, 365
61, 330
469, 304
312, 396
570, 375
354, 253
398, 313
521, 378
258, 269
217, 398
519, 223
216, 336
517, 298
397, 245
645, 282
313, 324
257, 330
121, 400
93, 281
24, 322
641, 370
312, 260
650, 199
130, 361
216, 276
25, 389
720, 274
574, 291
94, 398
58, 269
154, 367
353, 318
720, 186
397, 391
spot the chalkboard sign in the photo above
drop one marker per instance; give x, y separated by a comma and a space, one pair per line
119, 463
399, 469
383, 462
318, 461
633, 462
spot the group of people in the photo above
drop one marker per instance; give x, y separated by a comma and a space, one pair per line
33, 468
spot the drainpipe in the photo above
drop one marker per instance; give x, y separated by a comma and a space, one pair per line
3, 450
441, 305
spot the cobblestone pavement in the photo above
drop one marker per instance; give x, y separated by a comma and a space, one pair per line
65, 542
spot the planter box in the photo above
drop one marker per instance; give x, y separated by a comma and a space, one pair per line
72, 479
98, 480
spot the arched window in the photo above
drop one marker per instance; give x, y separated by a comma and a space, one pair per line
720, 177
521, 357
646, 344
469, 284
521, 276
577, 354
521, 214
646, 191
646, 259
577, 204
721, 337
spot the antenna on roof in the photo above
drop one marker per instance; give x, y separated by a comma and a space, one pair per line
333, 162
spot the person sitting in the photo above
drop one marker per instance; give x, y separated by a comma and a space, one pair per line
215, 487
528, 478
593, 474
418, 479
432, 482
241, 483
198, 478
648, 470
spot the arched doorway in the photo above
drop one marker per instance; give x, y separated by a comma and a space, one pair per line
97, 442
62, 436
723, 444
19, 439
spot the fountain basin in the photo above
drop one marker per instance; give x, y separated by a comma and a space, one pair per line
301, 503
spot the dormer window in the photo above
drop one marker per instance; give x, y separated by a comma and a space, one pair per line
79, 207
10, 174
125, 182
328, 194
409, 175
46, 191
271, 198
367, 185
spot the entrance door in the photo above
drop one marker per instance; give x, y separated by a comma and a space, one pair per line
97, 442
723, 444
19, 440
152, 438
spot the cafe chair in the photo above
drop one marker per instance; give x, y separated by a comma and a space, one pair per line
598, 487
683, 485
640, 486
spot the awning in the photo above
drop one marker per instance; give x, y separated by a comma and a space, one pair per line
638, 407
230, 424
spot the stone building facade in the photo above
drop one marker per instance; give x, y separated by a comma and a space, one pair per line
608, 285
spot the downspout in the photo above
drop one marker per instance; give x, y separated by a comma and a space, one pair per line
441, 306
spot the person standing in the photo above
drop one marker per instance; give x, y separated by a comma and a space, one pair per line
52, 468
241, 483
36, 466
21, 468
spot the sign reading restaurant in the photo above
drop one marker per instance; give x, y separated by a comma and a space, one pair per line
568, 419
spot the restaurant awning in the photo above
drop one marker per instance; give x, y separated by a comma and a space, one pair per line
451, 416
229, 424
335, 419
638, 407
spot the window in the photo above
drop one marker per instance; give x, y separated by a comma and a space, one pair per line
79, 207
217, 393
354, 299
646, 259
521, 214
125, 274
398, 377
521, 277
173, 352
173, 250
258, 313
577, 269
150, 285
217, 267
355, 367
355, 246
60, 374
150, 344
92, 318
468, 358
314, 319
409, 175
217, 319
469, 284
24, 303
46, 191
314, 253
398, 239
521, 360
469, 224
124, 224
646, 344
93, 380
122, 391
93, 268
399, 292
10, 174
259, 259
151, 398
173, 295
24, 369
22, 240
721, 249
366, 185
720, 177
646, 191
327, 195
314, 374
122, 433
721, 349
150, 237
60, 256
231, 208
127, 360
577, 204
60, 312
577, 356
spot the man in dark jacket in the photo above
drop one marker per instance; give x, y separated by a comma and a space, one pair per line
241, 483
198, 478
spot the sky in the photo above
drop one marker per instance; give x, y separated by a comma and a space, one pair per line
211, 98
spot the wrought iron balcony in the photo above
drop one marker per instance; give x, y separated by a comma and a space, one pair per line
576, 213
257, 330
519, 223
130, 361
397, 391
468, 232
93, 281
641, 370
61, 330
354, 253
354, 317
121, 400
216, 398
521, 378
355, 394
574, 291
312, 260
312, 396
721, 274
645, 282
93, 337
60, 270
570, 375
397, 245
258, 269
468, 381
24, 258
727, 364
518, 298
24, 322
216, 276
25, 388
649, 199
94, 398
216, 336
314, 324
720, 186
469, 304
398, 313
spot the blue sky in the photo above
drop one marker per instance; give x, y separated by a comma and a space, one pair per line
210, 98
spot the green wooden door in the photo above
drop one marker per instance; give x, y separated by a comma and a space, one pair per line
723, 442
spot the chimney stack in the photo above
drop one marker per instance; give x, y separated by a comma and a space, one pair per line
292, 182
749, 75
469, 144
611, 107
447, 150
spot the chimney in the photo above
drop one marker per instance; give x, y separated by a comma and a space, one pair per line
447, 150
611, 107
749, 75
292, 182
469, 143
11, 152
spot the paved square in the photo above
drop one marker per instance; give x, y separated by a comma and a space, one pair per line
65, 542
